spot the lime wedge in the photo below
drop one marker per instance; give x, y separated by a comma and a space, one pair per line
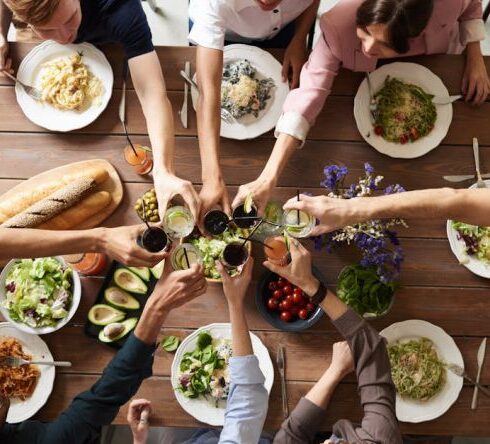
247, 205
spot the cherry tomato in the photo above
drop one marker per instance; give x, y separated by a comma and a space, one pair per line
310, 307
403, 139
287, 304
286, 316
278, 294
378, 130
281, 284
289, 297
272, 286
414, 133
303, 313
294, 310
288, 289
298, 290
297, 298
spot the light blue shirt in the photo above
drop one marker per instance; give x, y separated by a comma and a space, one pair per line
246, 407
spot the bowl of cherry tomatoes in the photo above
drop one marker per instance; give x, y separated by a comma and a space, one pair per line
285, 306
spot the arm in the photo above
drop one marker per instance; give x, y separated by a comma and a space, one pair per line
466, 205
150, 87
246, 408
5, 20
118, 243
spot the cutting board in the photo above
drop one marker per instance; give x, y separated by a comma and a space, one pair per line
112, 185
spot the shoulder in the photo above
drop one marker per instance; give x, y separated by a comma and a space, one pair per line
338, 25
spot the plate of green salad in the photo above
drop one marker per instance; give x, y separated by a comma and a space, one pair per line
39, 296
201, 375
419, 352
407, 124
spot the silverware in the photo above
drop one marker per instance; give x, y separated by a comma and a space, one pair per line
122, 106
476, 154
463, 177
459, 371
184, 112
225, 114
281, 365
445, 100
373, 105
480, 357
35, 93
13, 361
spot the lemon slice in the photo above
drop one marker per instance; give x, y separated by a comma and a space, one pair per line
247, 205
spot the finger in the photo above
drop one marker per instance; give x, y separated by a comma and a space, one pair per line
272, 267
295, 79
481, 94
285, 69
295, 204
296, 249
471, 90
248, 268
464, 84
192, 201
225, 203
162, 206
319, 230
238, 200
222, 271
261, 208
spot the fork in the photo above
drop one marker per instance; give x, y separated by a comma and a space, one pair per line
476, 153
35, 93
373, 105
459, 371
281, 365
13, 361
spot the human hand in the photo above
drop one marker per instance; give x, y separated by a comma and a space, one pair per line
5, 60
294, 59
298, 272
331, 212
213, 194
167, 186
261, 191
120, 244
342, 361
476, 84
235, 288
138, 413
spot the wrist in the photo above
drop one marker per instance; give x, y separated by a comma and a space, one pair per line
99, 241
311, 286
333, 375
473, 50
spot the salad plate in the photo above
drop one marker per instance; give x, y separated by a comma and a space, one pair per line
409, 410
410, 73
458, 247
200, 408
29, 292
267, 66
33, 345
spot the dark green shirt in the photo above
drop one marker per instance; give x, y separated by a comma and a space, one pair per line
81, 423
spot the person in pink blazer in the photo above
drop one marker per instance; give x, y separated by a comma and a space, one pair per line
355, 35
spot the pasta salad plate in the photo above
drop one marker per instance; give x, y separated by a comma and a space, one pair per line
21, 410
252, 92
408, 124
75, 80
419, 352
471, 244
200, 375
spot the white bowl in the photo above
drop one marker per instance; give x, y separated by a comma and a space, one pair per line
77, 293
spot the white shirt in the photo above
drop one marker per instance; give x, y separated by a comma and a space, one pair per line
239, 20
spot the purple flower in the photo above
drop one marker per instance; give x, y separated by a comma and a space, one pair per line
334, 176
368, 168
392, 189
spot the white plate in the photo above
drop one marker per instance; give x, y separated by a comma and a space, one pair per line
458, 248
77, 293
32, 344
417, 75
408, 410
248, 126
47, 116
200, 408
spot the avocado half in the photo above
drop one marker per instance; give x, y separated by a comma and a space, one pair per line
127, 280
127, 326
142, 272
121, 299
157, 270
102, 314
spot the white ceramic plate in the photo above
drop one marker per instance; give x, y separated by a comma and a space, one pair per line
411, 73
458, 248
77, 293
32, 344
408, 410
249, 127
47, 116
202, 409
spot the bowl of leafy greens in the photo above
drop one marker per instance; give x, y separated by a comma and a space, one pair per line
39, 296
362, 290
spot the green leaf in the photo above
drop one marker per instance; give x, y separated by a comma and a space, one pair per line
170, 343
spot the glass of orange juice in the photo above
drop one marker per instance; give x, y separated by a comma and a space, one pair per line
87, 264
276, 250
139, 157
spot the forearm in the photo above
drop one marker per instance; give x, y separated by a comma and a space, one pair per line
284, 148
240, 335
150, 323
305, 21
5, 20
473, 49
321, 393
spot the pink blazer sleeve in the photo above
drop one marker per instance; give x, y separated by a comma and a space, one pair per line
303, 104
471, 26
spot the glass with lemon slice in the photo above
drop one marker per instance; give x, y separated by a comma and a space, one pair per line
297, 223
178, 222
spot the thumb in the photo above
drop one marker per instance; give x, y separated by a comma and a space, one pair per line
222, 271
285, 68
272, 267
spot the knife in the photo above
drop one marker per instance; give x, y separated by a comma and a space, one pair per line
184, 111
445, 100
122, 103
281, 365
463, 177
480, 359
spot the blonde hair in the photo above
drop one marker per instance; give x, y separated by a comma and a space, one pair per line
33, 12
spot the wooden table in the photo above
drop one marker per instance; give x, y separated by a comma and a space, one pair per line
436, 288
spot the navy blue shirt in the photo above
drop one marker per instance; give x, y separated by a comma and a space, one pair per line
116, 21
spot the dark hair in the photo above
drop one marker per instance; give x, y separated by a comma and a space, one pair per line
404, 19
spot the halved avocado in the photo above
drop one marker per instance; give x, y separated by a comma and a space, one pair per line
129, 281
128, 325
157, 270
102, 314
119, 298
142, 272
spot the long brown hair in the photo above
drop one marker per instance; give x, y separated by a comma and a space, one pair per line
405, 19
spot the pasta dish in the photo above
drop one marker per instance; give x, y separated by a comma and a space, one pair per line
16, 382
67, 84
417, 371
241, 92
405, 112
